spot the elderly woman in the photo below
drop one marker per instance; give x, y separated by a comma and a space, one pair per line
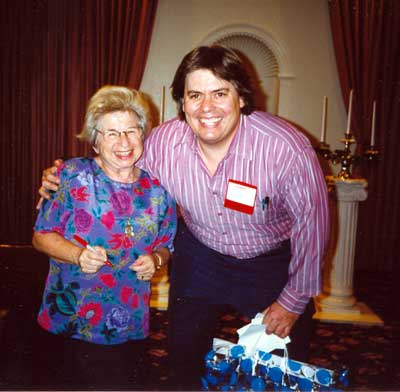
107, 229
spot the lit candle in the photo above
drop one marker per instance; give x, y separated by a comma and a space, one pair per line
162, 105
323, 126
349, 112
373, 124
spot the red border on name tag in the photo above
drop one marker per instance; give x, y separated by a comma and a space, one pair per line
234, 205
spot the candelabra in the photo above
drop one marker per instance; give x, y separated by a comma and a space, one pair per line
345, 157
337, 302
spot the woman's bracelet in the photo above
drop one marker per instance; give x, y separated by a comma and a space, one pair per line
158, 264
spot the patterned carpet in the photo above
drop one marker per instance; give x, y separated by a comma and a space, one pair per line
369, 352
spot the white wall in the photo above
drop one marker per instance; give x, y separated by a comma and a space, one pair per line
300, 26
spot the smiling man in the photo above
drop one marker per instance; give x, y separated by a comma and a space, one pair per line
254, 212
254, 205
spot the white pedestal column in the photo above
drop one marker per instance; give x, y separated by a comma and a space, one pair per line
337, 302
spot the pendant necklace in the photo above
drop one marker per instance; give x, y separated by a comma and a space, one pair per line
129, 229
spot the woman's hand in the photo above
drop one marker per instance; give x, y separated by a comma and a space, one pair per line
65, 251
144, 266
89, 261
50, 182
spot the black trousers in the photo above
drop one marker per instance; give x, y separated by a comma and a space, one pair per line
71, 364
205, 283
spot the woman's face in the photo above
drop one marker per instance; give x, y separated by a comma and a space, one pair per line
119, 140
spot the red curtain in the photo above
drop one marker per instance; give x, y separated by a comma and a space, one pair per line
366, 37
56, 54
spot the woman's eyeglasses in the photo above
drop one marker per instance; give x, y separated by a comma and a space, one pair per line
114, 135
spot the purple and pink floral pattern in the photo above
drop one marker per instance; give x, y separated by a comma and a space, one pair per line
112, 305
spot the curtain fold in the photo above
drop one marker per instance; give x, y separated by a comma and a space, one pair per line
15, 131
58, 53
366, 38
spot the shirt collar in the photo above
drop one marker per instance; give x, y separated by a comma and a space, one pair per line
187, 137
242, 142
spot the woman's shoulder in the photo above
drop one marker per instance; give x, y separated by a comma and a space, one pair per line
76, 166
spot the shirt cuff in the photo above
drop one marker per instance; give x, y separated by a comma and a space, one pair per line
293, 301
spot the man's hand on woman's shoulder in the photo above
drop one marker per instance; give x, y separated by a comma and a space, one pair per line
50, 182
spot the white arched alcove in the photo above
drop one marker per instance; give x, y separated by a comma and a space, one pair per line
269, 63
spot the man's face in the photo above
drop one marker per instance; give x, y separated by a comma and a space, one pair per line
212, 107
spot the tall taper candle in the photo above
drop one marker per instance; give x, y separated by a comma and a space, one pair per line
323, 126
162, 106
349, 112
373, 124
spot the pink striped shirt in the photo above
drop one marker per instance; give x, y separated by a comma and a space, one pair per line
291, 199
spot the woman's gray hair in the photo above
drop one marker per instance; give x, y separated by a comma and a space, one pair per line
109, 99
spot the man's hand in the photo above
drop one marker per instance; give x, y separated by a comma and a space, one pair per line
279, 320
50, 182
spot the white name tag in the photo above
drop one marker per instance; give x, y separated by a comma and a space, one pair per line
240, 196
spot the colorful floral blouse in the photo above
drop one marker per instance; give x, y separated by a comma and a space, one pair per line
112, 305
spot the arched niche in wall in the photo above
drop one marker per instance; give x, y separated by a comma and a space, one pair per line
264, 58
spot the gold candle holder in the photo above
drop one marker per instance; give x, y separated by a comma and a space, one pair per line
345, 157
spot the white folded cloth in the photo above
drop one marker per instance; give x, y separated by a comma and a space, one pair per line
253, 337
